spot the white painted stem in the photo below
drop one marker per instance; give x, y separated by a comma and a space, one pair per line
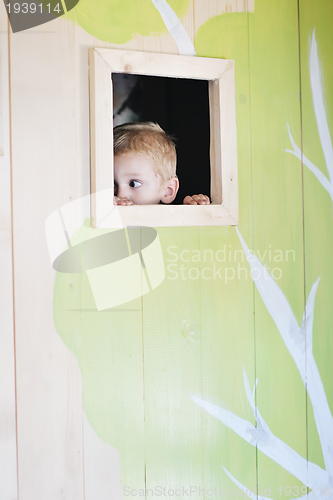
319, 108
297, 340
315, 170
310, 474
175, 28
321, 412
243, 488
323, 129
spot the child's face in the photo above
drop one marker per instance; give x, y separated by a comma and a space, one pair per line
135, 179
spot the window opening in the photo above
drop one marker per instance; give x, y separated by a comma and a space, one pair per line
181, 107
139, 70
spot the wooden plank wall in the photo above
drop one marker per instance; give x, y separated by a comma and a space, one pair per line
281, 195
8, 457
92, 403
317, 140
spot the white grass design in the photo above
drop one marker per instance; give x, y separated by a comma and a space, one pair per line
323, 130
298, 340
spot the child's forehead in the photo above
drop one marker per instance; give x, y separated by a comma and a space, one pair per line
133, 164
134, 159
130, 155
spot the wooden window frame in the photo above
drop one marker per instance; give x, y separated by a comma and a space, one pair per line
223, 145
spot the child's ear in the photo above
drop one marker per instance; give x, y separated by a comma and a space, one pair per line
170, 190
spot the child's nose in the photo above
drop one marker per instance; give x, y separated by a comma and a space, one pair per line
122, 192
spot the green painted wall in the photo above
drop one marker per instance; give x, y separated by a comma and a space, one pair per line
193, 335
118, 21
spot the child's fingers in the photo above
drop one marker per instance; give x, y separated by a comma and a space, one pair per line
196, 199
122, 201
188, 200
125, 203
202, 199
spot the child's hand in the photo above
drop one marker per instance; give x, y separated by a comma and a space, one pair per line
196, 199
122, 201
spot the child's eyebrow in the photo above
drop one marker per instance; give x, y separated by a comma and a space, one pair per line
134, 174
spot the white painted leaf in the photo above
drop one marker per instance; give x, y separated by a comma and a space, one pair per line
175, 28
248, 492
278, 307
319, 108
315, 170
310, 474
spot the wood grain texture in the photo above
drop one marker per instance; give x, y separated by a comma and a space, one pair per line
46, 174
134, 368
228, 141
203, 12
101, 137
227, 301
102, 467
318, 221
277, 224
8, 458
108, 345
173, 372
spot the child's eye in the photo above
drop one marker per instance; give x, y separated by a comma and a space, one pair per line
135, 184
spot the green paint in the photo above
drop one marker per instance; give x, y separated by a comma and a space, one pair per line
108, 347
118, 21
178, 362
144, 409
318, 204
266, 68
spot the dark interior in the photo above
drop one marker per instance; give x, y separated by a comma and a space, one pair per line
181, 107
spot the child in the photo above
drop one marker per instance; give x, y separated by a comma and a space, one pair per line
145, 167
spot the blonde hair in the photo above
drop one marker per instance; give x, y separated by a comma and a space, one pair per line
148, 140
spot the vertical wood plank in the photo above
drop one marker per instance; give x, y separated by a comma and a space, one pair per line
317, 136
102, 474
198, 327
8, 458
215, 119
107, 345
278, 228
226, 308
108, 348
172, 372
46, 174
229, 143
101, 136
